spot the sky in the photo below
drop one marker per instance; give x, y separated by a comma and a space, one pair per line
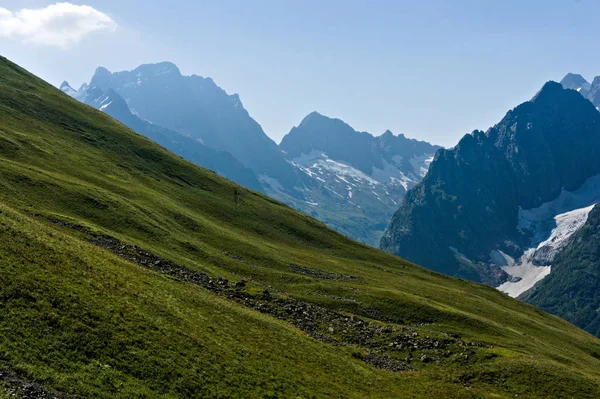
431, 69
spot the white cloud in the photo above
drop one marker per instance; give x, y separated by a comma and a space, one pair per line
60, 25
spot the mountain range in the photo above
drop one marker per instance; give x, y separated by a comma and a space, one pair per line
353, 181
129, 272
506, 206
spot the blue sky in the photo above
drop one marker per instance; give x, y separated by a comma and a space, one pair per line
432, 69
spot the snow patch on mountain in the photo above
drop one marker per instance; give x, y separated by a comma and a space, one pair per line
524, 276
586, 87
588, 194
104, 106
391, 174
318, 164
550, 227
566, 225
421, 164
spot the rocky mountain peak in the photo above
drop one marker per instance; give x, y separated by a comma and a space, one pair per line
574, 81
550, 90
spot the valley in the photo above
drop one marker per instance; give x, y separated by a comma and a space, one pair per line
128, 271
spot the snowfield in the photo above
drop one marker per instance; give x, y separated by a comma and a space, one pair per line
318, 165
340, 184
523, 272
551, 226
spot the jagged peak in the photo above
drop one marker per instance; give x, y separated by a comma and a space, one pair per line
65, 85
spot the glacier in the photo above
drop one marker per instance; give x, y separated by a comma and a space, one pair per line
550, 226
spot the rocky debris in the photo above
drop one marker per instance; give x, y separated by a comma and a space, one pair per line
386, 363
389, 346
266, 295
491, 274
18, 387
321, 274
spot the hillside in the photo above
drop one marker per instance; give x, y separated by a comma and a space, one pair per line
126, 271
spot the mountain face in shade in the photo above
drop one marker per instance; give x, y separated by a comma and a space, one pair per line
114, 105
359, 179
474, 214
197, 108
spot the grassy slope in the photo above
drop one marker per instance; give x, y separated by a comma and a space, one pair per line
84, 321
